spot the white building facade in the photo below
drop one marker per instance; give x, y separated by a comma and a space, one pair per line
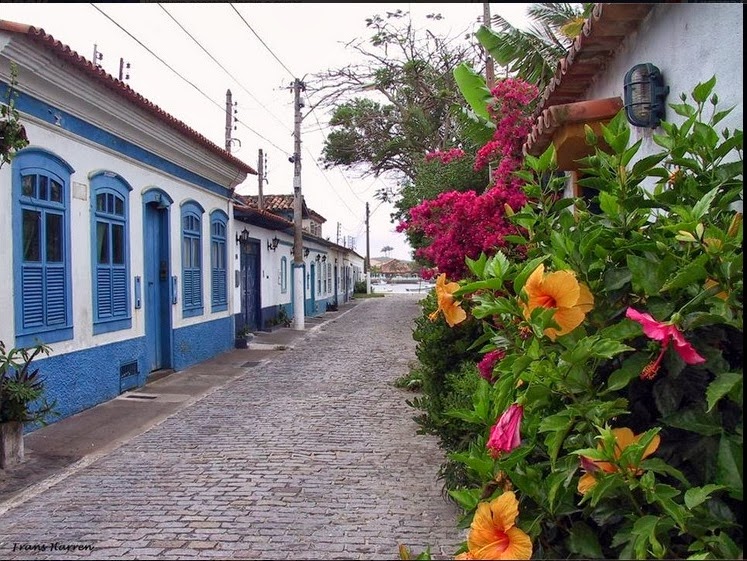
118, 228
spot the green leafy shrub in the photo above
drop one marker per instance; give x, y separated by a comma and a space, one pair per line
447, 374
631, 426
21, 387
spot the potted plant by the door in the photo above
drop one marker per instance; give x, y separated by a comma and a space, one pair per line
243, 337
21, 399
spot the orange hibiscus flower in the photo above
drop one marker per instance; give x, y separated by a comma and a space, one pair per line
624, 437
447, 304
493, 534
559, 290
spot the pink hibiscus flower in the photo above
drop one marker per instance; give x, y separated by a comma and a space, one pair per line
488, 362
666, 333
505, 435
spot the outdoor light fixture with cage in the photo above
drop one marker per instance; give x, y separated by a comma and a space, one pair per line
273, 245
644, 92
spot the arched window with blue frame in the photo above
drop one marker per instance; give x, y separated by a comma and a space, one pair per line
110, 198
192, 303
218, 260
41, 247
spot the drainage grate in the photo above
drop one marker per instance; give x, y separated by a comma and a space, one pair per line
250, 364
140, 396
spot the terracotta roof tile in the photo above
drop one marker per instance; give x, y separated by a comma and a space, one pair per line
552, 118
117, 86
601, 35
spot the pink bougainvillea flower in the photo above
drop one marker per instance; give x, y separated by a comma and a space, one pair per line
493, 532
505, 434
488, 362
447, 304
624, 437
559, 290
666, 333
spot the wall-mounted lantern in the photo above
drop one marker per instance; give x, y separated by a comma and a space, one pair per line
318, 258
306, 252
644, 93
273, 245
324, 258
243, 237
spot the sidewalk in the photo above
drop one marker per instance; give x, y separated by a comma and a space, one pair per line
80, 439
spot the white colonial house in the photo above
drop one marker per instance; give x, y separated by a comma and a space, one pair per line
118, 228
264, 281
666, 48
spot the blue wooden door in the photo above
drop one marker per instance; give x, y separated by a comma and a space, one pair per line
250, 293
335, 282
311, 302
157, 287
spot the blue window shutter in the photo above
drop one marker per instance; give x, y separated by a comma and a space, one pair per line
215, 284
218, 260
104, 292
41, 250
33, 296
187, 297
110, 255
119, 292
196, 287
56, 296
192, 259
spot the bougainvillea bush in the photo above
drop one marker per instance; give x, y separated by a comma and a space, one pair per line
459, 224
608, 408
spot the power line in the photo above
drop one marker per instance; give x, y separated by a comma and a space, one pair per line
222, 67
206, 96
292, 75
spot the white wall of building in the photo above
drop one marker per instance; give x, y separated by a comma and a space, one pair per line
689, 43
85, 158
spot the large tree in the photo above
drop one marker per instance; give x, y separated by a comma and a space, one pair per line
395, 106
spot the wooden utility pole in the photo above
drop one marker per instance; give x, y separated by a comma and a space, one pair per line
489, 68
298, 265
261, 177
229, 117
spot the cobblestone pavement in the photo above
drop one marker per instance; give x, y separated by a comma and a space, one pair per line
312, 455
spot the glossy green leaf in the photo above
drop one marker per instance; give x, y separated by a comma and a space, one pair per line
693, 272
729, 466
698, 495
703, 90
583, 541
724, 383
473, 88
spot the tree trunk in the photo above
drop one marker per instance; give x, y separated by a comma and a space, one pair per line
11, 444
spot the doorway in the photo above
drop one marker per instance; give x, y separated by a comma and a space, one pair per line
157, 276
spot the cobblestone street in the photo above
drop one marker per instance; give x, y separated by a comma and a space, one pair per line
312, 455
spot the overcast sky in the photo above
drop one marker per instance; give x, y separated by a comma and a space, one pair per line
259, 55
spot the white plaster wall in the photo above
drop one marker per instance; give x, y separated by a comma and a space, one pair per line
7, 333
85, 158
689, 43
